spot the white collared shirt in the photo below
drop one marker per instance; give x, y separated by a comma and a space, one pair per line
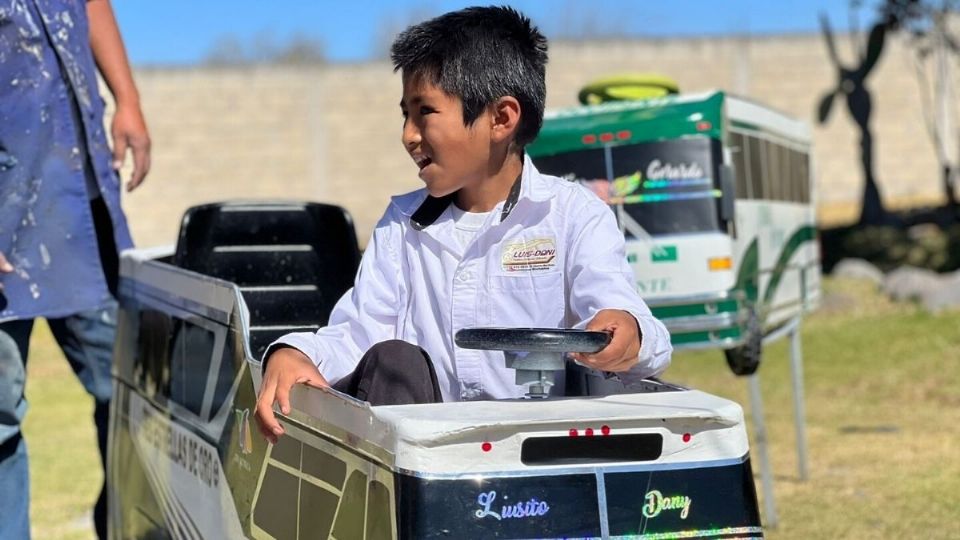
554, 261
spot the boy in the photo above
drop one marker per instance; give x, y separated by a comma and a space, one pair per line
488, 242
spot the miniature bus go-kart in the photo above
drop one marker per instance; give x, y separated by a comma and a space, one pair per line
651, 461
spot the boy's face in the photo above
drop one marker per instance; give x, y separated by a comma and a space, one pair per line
450, 155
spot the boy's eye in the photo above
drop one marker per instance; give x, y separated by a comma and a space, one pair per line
427, 110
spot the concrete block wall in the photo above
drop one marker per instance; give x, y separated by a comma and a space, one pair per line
332, 133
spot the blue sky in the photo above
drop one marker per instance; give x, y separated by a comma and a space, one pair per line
184, 31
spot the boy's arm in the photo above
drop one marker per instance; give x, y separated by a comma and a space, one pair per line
129, 130
603, 296
364, 316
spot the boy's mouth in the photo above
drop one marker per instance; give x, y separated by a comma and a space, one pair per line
422, 161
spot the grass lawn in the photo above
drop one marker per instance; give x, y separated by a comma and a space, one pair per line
883, 419
883, 424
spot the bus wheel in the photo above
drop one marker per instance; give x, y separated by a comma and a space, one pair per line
745, 359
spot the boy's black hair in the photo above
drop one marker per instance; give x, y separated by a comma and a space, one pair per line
480, 54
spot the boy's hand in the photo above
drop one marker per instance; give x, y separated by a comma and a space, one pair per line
622, 352
285, 368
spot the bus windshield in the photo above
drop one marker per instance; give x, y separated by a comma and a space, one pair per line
666, 187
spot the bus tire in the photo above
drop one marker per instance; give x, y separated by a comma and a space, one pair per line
745, 359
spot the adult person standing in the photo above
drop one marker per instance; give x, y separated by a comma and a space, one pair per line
61, 225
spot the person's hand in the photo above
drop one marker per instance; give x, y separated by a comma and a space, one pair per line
285, 368
622, 352
129, 130
5, 267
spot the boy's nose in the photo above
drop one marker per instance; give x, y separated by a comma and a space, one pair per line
410, 136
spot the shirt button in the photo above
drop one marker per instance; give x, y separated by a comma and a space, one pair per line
465, 276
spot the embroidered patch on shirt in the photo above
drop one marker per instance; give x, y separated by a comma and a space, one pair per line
536, 254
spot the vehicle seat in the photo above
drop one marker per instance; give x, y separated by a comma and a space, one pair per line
291, 260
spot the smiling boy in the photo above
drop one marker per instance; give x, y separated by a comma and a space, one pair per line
489, 241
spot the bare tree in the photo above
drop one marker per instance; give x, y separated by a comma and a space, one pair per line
229, 50
936, 49
575, 20
570, 20
392, 23
300, 50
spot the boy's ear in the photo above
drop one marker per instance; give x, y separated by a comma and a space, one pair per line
505, 119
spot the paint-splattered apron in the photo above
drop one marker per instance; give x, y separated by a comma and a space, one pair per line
54, 159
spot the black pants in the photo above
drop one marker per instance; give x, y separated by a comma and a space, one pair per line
393, 373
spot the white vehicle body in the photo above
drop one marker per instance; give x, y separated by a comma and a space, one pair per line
186, 460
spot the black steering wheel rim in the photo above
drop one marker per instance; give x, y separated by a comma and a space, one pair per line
559, 340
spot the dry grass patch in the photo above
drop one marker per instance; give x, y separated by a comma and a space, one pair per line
882, 382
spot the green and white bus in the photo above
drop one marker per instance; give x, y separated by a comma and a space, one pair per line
714, 194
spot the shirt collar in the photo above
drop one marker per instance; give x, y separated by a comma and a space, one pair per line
530, 185
430, 209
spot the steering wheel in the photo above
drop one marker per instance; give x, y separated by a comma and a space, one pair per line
533, 352
532, 340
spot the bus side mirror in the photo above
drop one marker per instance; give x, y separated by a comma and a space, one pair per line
727, 193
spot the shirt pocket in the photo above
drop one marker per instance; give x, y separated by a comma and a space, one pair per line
525, 299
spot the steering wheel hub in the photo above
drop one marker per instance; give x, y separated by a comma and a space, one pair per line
534, 353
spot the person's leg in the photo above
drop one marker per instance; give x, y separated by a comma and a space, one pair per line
87, 341
14, 468
393, 373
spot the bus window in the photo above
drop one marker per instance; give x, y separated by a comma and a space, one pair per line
773, 180
804, 170
589, 167
738, 156
796, 181
669, 187
747, 172
789, 178
782, 179
190, 356
771, 185
175, 350
789, 175
230, 363
755, 163
767, 160
151, 371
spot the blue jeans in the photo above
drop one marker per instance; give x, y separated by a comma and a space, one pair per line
87, 341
